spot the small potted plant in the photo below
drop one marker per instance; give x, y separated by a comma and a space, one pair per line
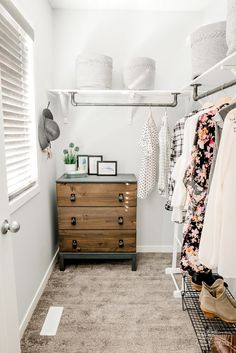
70, 158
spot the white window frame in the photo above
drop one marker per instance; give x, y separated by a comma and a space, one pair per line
31, 192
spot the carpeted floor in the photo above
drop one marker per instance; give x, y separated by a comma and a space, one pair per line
110, 309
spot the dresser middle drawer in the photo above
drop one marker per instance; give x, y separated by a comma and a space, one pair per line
97, 217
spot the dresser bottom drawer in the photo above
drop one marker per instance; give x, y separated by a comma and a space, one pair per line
97, 241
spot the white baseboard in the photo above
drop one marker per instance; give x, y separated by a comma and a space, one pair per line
37, 296
155, 248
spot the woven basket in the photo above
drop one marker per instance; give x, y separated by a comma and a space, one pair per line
208, 47
139, 73
93, 71
231, 26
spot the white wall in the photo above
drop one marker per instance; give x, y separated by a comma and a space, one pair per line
35, 244
215, 11
123, 34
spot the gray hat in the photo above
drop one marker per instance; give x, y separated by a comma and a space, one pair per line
48, 130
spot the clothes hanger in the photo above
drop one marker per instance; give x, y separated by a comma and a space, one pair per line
222, 101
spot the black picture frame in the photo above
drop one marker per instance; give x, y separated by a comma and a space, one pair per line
103, 172
78, 161
92, 164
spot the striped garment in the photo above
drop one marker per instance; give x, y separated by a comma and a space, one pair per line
175, 152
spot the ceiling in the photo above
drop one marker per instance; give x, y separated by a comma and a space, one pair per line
138, 5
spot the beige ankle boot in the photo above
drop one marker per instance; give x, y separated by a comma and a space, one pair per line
219, 305
216, 289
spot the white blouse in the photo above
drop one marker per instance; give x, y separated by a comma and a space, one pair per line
218, 240
180, 192
164, 157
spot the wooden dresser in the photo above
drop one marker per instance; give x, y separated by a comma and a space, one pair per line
97, 218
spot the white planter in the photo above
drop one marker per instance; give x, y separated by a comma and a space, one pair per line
231, 26
139, 73
69, 168
93, 71
208, 47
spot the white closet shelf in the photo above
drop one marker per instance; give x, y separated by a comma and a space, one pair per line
220, 74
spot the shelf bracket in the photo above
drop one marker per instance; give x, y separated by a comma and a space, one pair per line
75, 103
197, 97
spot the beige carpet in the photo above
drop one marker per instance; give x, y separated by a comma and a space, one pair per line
110, 309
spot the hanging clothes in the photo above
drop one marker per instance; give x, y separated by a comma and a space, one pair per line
175, 152
179, 199
149, 145
164, 157
197, 181
218, 242
180, 192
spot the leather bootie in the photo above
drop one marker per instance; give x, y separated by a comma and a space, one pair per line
216, 289
219, 305
208, 277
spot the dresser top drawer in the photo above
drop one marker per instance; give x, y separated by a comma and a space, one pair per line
120, 178
77, 194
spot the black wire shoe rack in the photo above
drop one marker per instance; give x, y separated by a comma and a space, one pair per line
204, 327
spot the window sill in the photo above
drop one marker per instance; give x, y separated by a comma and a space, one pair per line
24, 198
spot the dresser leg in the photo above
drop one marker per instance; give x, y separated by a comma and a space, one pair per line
134, 262
61, 262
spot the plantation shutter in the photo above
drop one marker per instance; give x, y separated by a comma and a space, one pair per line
16, 67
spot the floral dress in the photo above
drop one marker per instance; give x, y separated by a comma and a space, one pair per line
197, 181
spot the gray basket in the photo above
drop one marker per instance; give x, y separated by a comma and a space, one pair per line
208, 47
139, 73
231, 26
93, 71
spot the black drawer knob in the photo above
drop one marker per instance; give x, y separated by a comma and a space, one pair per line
74, 244
121, 198
121, 243
72, 197
120, 220
73, 221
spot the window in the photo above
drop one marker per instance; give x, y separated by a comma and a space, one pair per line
17, 104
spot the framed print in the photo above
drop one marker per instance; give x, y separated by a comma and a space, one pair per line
92, 164
82, 161
107, 168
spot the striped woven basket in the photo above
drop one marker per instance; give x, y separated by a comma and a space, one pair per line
208, 46
93, 71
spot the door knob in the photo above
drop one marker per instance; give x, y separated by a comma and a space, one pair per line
14, 227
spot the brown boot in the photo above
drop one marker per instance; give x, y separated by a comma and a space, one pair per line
217, 306
216, 289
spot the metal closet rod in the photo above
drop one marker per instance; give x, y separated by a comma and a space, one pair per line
90, 104
197, 96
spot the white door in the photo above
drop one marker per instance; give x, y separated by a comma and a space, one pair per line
9, 326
